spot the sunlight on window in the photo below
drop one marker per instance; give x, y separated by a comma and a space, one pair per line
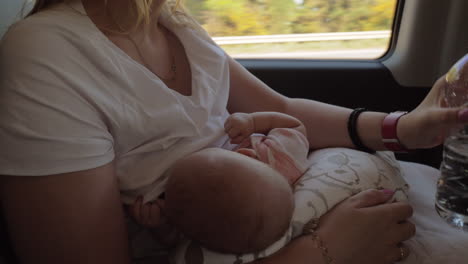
299, 29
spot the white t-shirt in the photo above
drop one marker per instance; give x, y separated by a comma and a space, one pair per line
71, 100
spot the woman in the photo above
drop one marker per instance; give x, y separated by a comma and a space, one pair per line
102, 96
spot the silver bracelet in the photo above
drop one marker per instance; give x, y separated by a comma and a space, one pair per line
310, 230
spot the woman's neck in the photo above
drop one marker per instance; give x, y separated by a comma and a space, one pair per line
104, 15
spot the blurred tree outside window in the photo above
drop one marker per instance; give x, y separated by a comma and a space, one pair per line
290, 28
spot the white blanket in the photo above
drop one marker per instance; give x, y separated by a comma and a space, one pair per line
435, 242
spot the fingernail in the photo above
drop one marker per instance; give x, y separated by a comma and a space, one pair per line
388, 192
463, 115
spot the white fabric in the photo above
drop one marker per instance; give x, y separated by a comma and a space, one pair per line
435, 242
71, 100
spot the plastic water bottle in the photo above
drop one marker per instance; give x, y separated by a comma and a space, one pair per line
452, 187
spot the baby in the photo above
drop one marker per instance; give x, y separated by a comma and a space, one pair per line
236, 201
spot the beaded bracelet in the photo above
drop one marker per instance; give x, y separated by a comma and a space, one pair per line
309, 229
352, 130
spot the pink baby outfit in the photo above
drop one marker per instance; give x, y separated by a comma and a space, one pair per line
284, 149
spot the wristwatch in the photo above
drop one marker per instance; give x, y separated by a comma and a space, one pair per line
389, 132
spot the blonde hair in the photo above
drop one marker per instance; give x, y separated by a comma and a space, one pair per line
140, 10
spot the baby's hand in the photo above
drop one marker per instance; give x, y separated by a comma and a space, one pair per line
239, 126
149, 214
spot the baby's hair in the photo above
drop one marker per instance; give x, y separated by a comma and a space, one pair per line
227, 210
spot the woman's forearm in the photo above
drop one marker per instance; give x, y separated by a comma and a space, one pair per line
299, 251
327, 124
264, 122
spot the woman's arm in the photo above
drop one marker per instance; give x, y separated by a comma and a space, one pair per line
68, 218
299, 251
326, 124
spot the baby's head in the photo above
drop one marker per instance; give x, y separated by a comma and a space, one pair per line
227, 201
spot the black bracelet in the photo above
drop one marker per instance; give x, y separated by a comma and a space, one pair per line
352, 130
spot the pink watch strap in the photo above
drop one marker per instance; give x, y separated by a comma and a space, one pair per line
389, 132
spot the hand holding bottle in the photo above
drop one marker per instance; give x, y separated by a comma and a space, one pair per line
442, 113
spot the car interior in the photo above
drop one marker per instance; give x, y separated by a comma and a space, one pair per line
428, 37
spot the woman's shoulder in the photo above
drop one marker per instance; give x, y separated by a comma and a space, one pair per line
46, 30
42, 55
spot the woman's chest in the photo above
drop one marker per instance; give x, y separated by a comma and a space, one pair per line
142, 113
166, 59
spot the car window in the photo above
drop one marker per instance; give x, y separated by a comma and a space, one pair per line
300, 29
11, 11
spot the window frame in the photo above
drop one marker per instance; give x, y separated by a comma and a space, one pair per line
398, 12
311, 64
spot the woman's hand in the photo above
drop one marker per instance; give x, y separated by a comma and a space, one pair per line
429, 124
364, 230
